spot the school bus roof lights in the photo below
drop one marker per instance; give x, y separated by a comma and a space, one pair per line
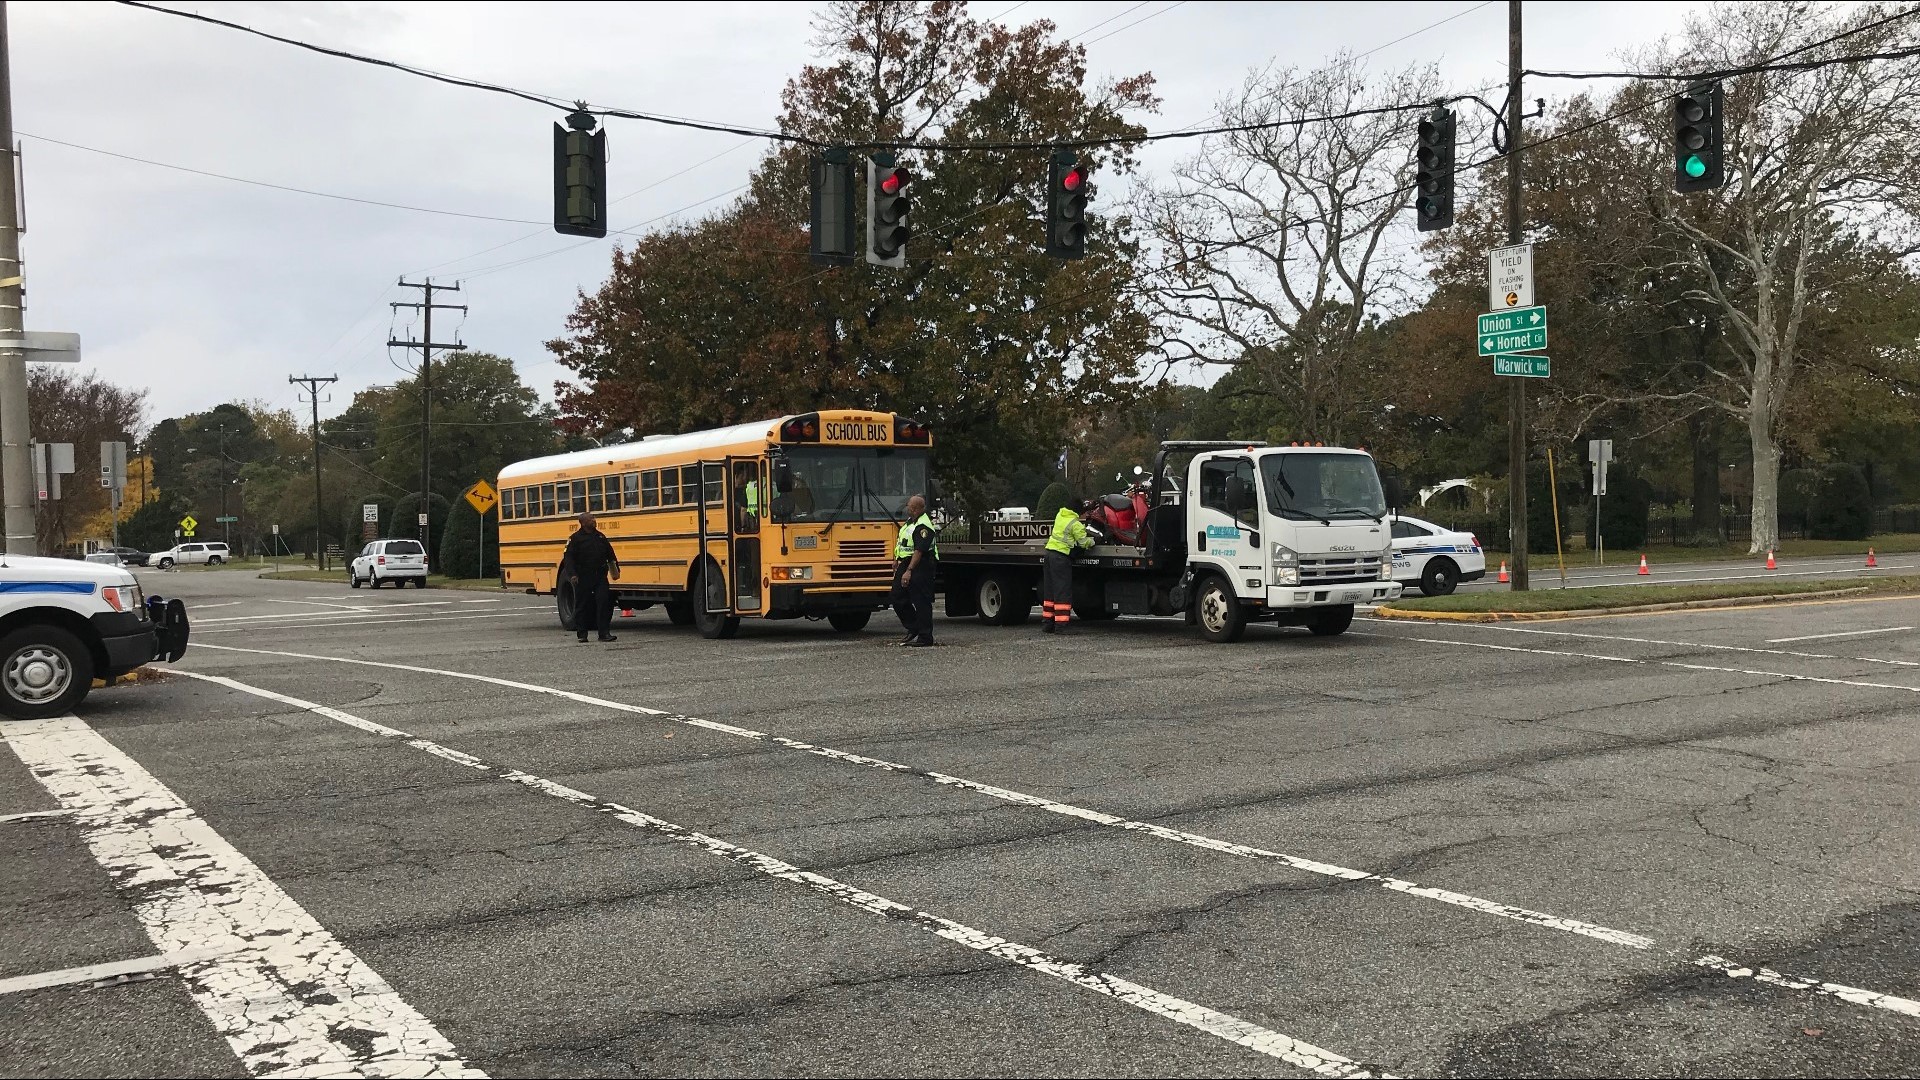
801, 429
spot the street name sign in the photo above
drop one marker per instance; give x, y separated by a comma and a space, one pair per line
1523, 330
1531, 367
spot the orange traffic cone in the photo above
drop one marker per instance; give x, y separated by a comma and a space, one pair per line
1770, 563
1643, 566
626, 612
1871, 561
1503, 571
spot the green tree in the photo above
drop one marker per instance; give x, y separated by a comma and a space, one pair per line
468, 545
1002, 349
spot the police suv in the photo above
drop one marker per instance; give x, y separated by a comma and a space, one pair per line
65, 623
1434, 558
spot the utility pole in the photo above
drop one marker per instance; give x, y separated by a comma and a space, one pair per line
224, 537
426, 346
313, 384
16, 464
1516, 388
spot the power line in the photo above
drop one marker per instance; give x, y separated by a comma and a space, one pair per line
1108, 19
274, 186
1424, 29
1136, 22
1728, 73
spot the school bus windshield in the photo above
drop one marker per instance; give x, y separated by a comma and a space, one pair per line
855, 483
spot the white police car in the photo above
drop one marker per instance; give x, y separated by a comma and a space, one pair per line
1434, 558
64, 623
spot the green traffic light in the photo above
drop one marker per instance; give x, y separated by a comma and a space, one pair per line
1696, 168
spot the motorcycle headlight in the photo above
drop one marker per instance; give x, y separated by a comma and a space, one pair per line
1286, 565
1386, 565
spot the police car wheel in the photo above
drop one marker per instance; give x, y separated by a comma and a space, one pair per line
1440, 577
44, 671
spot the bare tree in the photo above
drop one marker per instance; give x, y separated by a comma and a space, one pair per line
1280, 235
1816, 159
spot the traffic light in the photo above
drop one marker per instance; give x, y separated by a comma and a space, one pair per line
832, 222
1699, 160
579, 177
1433, 172
1067, 182
887, 208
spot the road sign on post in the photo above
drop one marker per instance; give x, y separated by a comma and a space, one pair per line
1529, 366
1510, 277
481, 497
370, 512
188, 524
1522, 330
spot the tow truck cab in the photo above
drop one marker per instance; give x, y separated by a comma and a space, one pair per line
64, 623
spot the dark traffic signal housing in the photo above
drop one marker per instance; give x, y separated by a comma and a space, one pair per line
1699, 158
579, 177
1433, 172
1067, 183
888, 226
832, 220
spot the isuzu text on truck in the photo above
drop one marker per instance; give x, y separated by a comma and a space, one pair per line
1235, 532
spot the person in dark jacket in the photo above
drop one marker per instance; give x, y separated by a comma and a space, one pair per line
916, 557
590, 565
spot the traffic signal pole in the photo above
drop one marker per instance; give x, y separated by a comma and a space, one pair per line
16, 466
1516, 388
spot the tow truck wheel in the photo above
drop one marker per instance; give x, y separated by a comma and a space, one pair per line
1330, 621
1440, 577
849, 622
1003, 601
1218, 611
44, 671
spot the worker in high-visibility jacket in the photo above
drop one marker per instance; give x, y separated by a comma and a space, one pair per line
916, 557
1069, 535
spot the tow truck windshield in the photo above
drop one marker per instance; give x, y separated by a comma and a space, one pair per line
1323, 487
855, 483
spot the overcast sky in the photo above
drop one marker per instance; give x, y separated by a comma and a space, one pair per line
204, 290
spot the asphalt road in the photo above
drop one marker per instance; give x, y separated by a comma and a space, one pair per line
1544, 571
425, 833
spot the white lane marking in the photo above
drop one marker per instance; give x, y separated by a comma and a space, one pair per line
34, 815
496, 600
1663, 641
226, 603
1472, 903
1790, 676
1180, 1011
1870, 998
365, 621
1844, 633
288, 997
315, 603
97, 972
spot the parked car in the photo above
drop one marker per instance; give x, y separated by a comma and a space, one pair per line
381, 561
1435, 558
131, 556
65, 622
194, 554
106, 558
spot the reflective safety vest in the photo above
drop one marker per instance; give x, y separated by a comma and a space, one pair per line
903, 547
1068, 532
753, 498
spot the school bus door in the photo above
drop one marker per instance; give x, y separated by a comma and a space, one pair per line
747, 493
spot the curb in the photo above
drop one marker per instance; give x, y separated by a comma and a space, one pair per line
1631, 609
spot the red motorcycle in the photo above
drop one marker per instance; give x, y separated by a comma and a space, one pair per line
1121, 518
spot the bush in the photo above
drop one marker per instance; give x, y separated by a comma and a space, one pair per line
1052, 499
1623, 511
462, 543
1841, 504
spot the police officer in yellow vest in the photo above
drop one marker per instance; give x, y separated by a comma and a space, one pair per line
916, 556
1069, 535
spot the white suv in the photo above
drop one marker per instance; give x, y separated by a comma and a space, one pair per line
398, 561
194, 554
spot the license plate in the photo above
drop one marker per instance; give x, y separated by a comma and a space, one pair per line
1350, 596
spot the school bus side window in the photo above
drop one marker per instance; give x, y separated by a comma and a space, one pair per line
650, 488
630, 488
565, 498
669, 487
595, 500
548, 507
690, 483
579, 496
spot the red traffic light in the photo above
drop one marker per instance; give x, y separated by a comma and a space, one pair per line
1075, 179
895, 180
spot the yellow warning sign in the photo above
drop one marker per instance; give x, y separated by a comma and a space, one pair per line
481, 497
188, 524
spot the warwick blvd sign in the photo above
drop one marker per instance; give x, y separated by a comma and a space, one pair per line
1517, 331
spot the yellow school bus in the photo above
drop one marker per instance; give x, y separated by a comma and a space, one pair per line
793, 517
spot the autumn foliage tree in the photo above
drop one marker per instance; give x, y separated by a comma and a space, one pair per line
999, 347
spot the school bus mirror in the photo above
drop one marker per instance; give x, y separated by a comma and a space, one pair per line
782, 477
781, 508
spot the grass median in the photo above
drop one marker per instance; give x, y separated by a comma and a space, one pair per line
1621, 596
1658, 554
